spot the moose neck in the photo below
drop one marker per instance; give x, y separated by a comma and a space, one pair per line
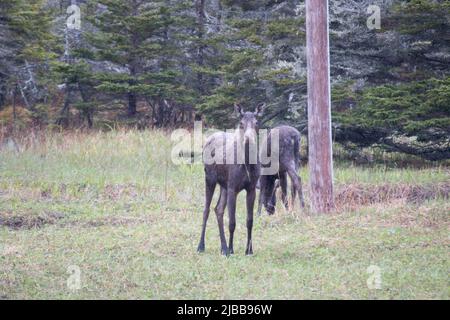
246, 150
248, 154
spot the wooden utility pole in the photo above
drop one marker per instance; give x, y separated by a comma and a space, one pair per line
319, 107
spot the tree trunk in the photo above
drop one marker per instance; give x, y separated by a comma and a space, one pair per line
87, 111
319, 106
14, 109
217, 8
3, 88
63, 118
132, 102
201, 16
132, 99
24, 97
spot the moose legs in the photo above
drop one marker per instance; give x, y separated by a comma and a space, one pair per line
283, 184
296, 187
220, 209
231, 203
227, 198
209, 192
261, 199
251, 196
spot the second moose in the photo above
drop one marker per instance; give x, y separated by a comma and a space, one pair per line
288, 157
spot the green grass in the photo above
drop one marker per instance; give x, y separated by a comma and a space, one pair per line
114, 205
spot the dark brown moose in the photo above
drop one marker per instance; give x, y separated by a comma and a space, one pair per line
288, 139
231, 160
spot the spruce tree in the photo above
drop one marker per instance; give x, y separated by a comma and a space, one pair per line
26, 48
133, 37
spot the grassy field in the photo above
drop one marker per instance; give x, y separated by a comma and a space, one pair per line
114, 206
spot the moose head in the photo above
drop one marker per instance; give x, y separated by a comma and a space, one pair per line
248, 122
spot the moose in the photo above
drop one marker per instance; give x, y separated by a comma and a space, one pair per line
231, 160
288, 156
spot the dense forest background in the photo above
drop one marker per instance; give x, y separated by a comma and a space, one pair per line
165, 63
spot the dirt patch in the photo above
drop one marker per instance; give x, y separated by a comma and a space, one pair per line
117, 191
357, 195
27, 221
111, 221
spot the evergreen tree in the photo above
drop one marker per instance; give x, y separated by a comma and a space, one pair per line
412, 118
134, 38
26, 46
404, 108
260, 61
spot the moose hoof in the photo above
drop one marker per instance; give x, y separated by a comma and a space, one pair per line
201, 248
248, 252
225, 252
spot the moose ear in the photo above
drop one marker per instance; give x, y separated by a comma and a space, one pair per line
238, 109
260, 109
